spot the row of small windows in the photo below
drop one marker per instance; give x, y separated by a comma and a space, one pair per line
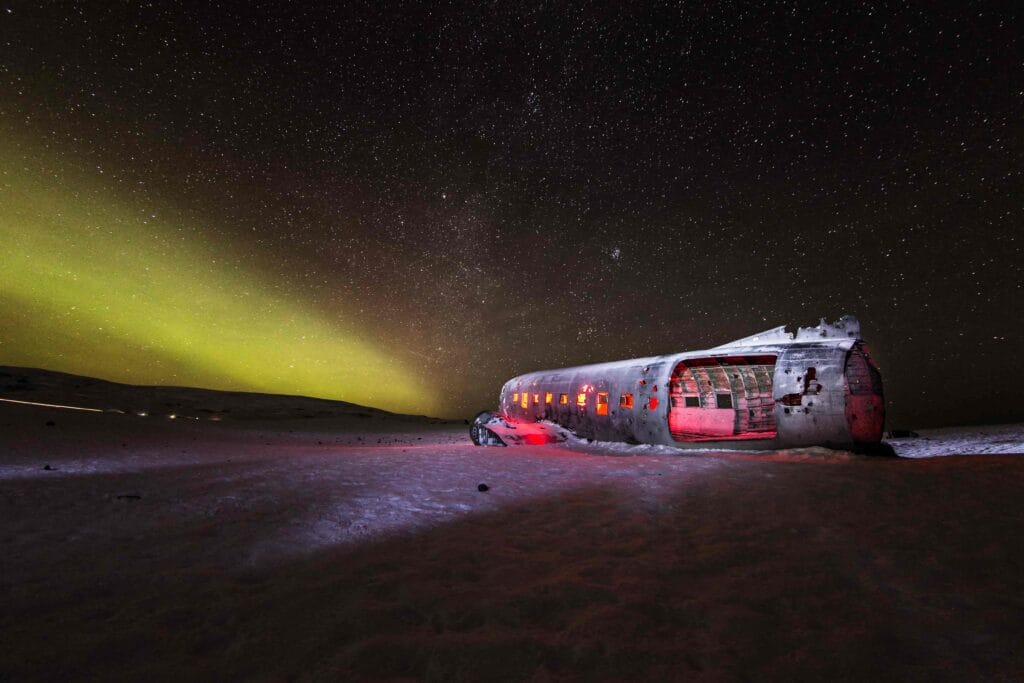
721, 401
625, 400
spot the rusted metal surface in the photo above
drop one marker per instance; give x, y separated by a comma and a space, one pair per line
817, 386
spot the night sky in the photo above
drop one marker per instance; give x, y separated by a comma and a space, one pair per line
405, 205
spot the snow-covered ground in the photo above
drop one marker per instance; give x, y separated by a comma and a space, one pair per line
928, 443
353, 548
989, 439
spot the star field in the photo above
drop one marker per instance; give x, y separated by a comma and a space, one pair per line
404, 205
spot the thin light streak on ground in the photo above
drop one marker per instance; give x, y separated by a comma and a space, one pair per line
51, 405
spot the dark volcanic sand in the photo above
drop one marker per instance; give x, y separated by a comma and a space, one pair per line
279, 550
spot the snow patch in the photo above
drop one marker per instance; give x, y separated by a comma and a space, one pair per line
981, 440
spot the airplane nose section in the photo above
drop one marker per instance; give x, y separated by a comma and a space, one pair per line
865, 416
865, 402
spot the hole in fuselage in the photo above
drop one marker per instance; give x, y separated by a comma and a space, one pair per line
723, 398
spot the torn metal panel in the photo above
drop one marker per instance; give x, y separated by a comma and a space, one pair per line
489, 429
847, 327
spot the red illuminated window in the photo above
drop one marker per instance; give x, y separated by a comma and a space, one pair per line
653, 403
581, 399
626, 401
602, 403
526, 400
536, 399
547, 397
563, 399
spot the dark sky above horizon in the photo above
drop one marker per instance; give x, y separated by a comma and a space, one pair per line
404, 205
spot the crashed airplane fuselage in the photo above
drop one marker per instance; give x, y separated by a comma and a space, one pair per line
817, 387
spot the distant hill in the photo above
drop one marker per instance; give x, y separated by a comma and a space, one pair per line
48, 386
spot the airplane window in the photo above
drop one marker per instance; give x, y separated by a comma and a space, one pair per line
602, 403
692, 402
723, 400
626, 401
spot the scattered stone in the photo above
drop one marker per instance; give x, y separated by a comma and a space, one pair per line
47, 467
483, 487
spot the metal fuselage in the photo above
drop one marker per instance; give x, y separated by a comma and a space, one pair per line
772, 390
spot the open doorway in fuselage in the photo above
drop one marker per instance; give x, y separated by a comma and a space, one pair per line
722, 398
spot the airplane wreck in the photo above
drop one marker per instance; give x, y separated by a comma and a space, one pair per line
775, 389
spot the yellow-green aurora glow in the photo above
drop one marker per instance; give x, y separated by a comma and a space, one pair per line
92, 284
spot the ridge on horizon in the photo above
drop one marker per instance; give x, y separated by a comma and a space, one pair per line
16, 381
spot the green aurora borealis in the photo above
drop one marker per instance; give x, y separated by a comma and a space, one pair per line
96, 285
404, 206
